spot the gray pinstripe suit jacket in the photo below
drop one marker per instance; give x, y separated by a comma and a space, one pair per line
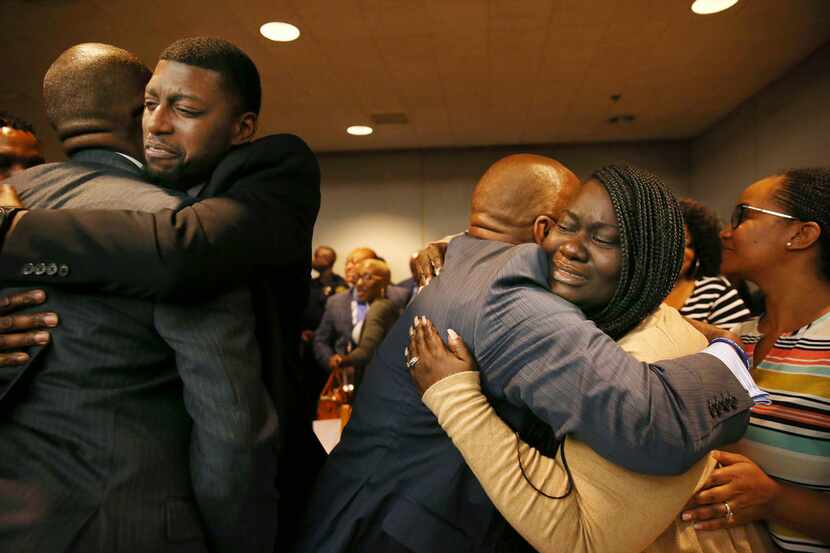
396, 483
96, 438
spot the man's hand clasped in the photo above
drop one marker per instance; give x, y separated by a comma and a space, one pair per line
20, 331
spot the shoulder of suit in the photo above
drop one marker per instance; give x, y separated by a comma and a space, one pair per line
341, 297
526, 260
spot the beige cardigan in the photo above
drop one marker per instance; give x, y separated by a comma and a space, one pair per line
611, 510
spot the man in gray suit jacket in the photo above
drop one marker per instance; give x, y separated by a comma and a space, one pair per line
395, 483
100, 453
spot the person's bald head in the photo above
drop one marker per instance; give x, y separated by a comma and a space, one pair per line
514, 191
94, 97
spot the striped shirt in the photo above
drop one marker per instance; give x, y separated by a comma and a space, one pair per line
790, 439
715, 301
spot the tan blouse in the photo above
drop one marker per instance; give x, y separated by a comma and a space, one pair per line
611, 509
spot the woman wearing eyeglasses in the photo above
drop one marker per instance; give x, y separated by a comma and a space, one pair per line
780, 472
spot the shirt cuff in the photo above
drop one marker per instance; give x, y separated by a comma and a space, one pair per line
728, 353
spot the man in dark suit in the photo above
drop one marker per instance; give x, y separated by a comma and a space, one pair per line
252, 224
395, 483
89, 421
326, 284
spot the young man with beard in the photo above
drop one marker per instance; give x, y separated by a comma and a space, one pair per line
251, 224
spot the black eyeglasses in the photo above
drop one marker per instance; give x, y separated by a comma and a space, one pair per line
740, 210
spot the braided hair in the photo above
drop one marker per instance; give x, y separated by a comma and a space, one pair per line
652, 241
805, 194
704, 226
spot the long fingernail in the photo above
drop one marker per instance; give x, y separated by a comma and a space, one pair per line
51, 319
686, 516
453, 337
42, 337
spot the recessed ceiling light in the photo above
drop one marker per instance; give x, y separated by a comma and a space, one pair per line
279, 31
360, 130
706, 7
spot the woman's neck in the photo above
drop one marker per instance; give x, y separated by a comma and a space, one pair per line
791, 305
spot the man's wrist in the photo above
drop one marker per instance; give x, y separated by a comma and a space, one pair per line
736, 360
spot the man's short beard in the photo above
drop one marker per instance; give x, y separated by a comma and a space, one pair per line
171, 179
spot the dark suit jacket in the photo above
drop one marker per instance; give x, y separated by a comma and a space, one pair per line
335, 330
254, 225
396, 483
90, 421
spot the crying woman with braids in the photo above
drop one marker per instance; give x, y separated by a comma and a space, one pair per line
615, 253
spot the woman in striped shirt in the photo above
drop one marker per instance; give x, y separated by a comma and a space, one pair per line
780, 472
701, 293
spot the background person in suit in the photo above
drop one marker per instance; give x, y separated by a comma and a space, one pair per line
396, 483
372, 282
323, 286
90, 419
252, 224
343, 311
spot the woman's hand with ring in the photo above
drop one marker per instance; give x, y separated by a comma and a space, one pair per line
429, 360
736, 493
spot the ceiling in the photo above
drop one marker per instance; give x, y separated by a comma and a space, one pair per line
464, 72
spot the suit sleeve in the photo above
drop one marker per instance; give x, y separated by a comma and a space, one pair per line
536, 350
379, 319
234, 421
324, 337
263, 216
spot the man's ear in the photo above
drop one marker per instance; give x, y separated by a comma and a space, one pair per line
807, 235
542, 226
245, 128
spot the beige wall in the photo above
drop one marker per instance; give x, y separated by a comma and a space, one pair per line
785, 125
394, 202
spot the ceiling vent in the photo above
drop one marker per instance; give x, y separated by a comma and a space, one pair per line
390, 119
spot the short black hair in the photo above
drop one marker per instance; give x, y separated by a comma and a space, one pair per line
238, 71
704, 227
805, 194
651, 246
15, 122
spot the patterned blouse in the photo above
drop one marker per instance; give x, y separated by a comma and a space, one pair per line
790, 439
715, 301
